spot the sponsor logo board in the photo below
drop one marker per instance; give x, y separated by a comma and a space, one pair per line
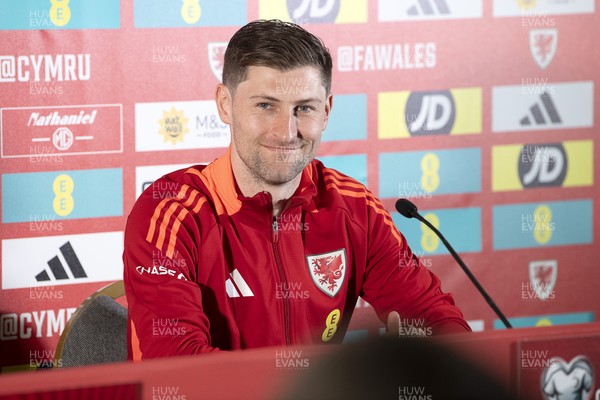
426, 10
444, 112
62, 260
179, 125
314, 11
534, 107
61, 130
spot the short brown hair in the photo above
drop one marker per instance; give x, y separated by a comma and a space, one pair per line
274, 44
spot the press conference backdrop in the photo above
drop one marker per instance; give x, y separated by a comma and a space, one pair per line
481, 112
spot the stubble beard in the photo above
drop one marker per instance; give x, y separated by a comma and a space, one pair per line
280, 169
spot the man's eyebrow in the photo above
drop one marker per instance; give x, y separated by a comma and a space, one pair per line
276, 100
310, 100
265, 97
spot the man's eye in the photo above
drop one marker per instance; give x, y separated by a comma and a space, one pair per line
264, 106
304, 109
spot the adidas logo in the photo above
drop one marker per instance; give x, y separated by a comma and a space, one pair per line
236, 286
57, 268
427, 8
542, 112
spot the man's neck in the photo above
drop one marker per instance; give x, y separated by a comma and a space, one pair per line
249, 185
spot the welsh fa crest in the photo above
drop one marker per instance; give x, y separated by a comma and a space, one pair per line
328, 270
542, 44
216, 57
542, 276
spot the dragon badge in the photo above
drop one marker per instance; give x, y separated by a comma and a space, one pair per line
328, 270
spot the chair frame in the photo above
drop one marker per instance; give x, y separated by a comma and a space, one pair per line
113, 290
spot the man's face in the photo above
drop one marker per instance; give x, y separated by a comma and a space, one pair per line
277, 119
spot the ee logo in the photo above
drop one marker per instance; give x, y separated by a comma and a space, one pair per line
62, 187
429, 240
331, 325
430, 165
543, 224
191, 11
60, 13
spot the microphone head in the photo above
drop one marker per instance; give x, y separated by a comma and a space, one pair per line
406, 208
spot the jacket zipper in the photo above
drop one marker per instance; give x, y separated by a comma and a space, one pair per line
283, 280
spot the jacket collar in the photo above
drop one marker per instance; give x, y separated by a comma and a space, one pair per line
219, 178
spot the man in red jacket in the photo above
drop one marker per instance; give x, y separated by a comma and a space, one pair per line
265, 246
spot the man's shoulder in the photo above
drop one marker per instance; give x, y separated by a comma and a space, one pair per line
332, 182
181, 188
338, 189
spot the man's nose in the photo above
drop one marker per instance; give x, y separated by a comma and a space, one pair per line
287, 125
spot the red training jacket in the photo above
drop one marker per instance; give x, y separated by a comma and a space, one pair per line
207, 268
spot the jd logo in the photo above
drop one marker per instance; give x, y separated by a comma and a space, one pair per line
430, 113
542, 165
313, 11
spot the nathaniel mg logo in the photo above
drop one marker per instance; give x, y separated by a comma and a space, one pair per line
57, 268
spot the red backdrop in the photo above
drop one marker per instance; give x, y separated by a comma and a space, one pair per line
480, 111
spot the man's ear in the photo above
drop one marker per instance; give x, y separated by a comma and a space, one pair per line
224, 103
328, 106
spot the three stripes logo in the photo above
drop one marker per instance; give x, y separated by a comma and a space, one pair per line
57, 267
429, 7
542, 112
236, 286
415, 10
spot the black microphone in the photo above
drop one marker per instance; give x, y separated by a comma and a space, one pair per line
409, 210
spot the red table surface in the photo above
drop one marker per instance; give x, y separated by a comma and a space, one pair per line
255, 374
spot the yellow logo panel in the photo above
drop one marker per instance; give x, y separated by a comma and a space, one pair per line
566, 164
313, 11
444, 112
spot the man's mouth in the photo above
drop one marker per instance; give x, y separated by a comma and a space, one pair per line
283, 149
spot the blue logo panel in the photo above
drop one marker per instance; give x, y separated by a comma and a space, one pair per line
547, 320
427, 173
519, 226
60, 14
61, 195
189, 13
354, 165
348, 118
460, 226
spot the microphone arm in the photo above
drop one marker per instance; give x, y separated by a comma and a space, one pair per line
409, 210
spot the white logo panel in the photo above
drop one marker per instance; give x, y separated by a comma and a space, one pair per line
540, 8
541, 107
179, 125
394, 10
62, 260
